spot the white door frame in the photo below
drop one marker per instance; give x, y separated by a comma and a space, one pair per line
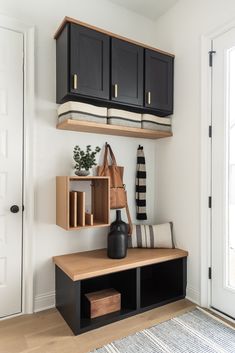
206, 175
28, 184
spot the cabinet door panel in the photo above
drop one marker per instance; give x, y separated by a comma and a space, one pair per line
89, 62
127, 72
158, 81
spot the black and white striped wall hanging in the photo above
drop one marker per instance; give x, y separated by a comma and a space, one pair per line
141, 185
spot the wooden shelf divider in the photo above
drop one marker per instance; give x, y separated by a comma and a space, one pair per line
88, 126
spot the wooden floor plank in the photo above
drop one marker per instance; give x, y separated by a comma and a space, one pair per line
47, 332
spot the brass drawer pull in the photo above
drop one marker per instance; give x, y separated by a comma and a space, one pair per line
115, 90
75, 81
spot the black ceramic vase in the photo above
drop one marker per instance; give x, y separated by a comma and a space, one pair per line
117, 244
117, 238
120, 223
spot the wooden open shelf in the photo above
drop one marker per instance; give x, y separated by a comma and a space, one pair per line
87, 126
99, 206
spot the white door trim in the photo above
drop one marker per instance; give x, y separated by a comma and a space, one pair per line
28, 138
205, 176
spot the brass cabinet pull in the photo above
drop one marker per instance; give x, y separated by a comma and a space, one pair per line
149, 97
75, 81
115, 90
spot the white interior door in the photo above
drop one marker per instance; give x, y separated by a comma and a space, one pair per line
11, 170
223, 174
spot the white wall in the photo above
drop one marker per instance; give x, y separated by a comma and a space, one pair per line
176, 164
178, 159
53, 148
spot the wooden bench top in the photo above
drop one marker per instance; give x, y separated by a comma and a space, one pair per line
95, 263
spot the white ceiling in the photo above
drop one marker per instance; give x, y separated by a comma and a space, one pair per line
148, 8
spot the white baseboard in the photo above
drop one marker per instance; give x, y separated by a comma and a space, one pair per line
193, 295
44, 301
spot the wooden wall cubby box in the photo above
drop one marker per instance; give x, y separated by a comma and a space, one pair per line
98, 190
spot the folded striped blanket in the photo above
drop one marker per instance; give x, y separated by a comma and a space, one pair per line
153, 122
82, 111
152, 236
124, 118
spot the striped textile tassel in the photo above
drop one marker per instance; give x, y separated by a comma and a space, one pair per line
141, 185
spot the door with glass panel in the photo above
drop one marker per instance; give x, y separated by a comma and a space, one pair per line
223, 174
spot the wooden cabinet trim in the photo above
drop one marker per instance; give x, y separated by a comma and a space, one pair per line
73, 20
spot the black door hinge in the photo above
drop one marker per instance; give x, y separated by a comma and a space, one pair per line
211, 52
210, 131
209, 272
209, 201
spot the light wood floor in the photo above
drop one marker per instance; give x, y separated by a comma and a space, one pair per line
47, 332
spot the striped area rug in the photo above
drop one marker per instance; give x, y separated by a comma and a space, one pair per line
193, 332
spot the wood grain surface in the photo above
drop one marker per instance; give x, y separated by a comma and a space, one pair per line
103, 302
47, 332
96, 263
96, 128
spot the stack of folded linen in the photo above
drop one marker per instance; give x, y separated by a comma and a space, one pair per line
124, 118
153, 122
82, 111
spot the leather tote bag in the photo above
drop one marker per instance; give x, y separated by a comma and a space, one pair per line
118, 195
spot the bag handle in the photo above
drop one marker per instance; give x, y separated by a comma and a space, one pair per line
113, 159
112, 155
130, 225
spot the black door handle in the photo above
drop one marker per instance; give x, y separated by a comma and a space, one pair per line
14, 209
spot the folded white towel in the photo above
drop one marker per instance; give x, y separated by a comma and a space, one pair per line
123, 114
156, 119
124, 118
78, 107
154, 122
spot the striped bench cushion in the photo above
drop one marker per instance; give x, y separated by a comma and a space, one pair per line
152, 236
153, 122
82, 111
124, 118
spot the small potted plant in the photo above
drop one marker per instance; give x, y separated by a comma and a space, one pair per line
84, 159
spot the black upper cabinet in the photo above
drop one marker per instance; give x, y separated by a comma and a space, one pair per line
96, 68
82, 63
127, 66
159, 81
